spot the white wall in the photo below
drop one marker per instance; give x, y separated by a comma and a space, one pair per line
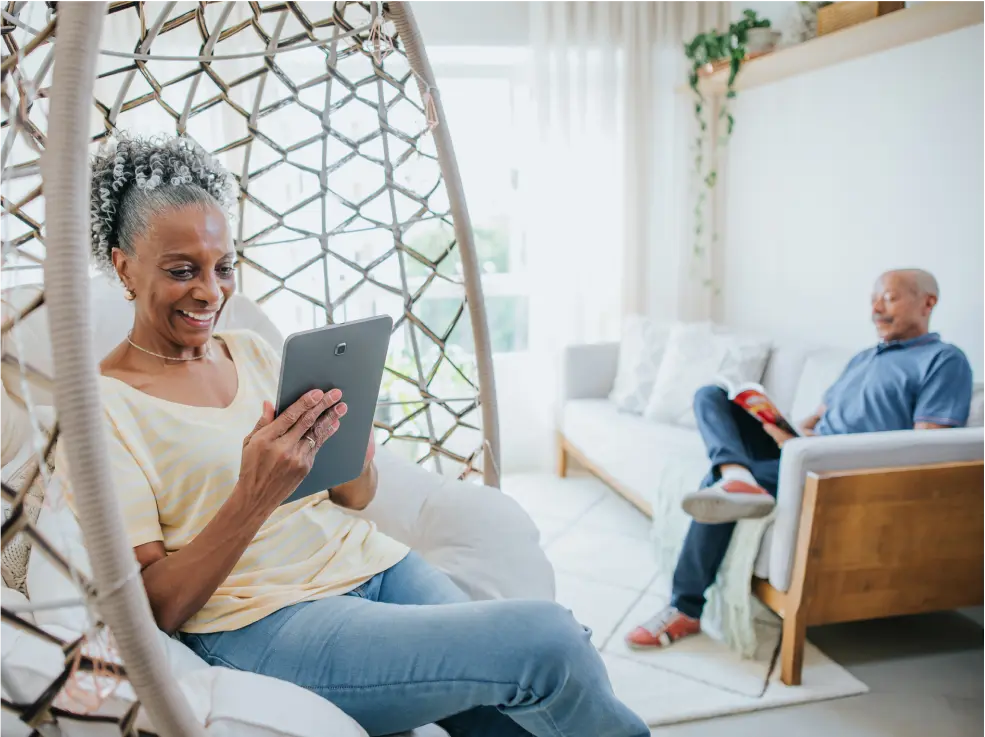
836, 176
488, 23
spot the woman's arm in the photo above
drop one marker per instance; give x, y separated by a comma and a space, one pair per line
276, 457
180, 584
358, 493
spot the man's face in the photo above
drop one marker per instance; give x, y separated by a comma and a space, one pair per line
899, 310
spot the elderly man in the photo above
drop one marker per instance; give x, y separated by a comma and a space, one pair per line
909, 380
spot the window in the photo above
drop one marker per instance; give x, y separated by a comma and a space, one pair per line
485, 97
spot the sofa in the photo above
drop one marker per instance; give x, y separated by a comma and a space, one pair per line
480, 537
866, 526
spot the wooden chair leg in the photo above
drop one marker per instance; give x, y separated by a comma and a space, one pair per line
792, 648
562, 457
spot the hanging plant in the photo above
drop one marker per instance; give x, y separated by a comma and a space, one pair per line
705, 51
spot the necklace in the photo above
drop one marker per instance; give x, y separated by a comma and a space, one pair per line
208, 349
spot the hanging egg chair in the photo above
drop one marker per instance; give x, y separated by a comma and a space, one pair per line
350, 204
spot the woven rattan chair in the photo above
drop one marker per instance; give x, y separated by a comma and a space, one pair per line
330, 93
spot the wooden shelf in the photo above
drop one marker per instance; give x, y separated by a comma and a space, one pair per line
916, 23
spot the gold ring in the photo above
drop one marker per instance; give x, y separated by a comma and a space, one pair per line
311, 441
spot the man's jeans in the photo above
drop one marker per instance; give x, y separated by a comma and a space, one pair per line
503, 668
731, 435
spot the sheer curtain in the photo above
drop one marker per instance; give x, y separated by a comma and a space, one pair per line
607, 183
608, 178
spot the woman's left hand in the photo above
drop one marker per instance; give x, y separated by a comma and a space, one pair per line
370, 450
359, 492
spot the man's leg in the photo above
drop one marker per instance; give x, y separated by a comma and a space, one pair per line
731, 435
735, 442
705, 546
396, 667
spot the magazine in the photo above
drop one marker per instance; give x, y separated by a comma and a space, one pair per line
754, 400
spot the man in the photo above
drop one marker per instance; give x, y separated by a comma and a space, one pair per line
910, 380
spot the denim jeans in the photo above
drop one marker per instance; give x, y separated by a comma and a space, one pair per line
392, 663
731, 435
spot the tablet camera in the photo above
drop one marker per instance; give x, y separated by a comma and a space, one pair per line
340, 349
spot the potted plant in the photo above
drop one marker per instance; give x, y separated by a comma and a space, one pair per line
708, 52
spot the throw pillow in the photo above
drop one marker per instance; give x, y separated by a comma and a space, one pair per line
640, 352
697, 355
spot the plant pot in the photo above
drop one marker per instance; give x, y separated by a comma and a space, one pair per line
761, 40
836, 16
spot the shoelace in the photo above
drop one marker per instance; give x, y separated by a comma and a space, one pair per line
660, 620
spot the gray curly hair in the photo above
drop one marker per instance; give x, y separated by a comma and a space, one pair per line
134, 177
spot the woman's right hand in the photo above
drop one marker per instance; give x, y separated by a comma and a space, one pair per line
278, 454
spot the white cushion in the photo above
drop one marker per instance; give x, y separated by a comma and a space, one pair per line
652, 459
696, 355
821, 369
641, 350
477, 535
976, 415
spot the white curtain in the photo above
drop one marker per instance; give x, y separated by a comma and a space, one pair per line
609, 188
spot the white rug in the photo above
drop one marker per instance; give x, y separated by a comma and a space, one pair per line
607, 576
699, 678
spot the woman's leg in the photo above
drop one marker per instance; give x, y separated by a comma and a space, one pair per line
395, 667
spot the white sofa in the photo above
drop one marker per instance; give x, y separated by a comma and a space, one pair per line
476, 534
655, 464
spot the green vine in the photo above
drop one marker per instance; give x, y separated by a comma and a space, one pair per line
703, 50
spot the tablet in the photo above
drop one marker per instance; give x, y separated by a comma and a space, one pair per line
348, 356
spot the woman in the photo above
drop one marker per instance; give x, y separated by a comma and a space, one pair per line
303, 591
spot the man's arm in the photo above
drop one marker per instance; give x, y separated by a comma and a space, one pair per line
944, 397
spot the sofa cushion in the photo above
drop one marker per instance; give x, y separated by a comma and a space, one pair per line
698, 354
821, 369
675, 459
976, 416
641, 350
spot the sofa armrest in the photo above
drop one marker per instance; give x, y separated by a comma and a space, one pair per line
853, 452
588, 370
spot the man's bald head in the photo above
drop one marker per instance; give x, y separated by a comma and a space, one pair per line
902, 301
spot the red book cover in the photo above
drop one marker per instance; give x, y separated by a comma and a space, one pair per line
754, 400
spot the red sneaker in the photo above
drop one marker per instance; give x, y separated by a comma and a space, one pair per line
662, 629
728, 501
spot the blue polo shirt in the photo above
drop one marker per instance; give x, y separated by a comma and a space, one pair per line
897, 384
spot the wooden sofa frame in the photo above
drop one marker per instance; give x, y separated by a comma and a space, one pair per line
872, 543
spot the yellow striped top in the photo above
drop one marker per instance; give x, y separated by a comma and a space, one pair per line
175, 465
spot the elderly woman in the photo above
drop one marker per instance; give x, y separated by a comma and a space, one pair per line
303, 591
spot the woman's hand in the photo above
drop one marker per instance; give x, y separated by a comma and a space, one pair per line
278, 454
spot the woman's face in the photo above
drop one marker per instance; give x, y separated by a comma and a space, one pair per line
182, 273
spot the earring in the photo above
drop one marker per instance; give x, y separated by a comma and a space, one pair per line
129, 295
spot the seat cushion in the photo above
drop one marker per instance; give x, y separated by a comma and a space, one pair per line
650, 458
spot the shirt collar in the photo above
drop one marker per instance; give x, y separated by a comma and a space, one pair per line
919, 340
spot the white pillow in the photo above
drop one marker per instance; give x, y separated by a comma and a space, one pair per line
697, 355
640, 352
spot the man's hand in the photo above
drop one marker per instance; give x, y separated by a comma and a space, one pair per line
780, 436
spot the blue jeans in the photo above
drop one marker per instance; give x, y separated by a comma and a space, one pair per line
503, 668
731, 435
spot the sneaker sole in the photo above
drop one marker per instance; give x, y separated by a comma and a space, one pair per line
716, 507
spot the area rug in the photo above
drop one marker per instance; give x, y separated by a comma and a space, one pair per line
700, 678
